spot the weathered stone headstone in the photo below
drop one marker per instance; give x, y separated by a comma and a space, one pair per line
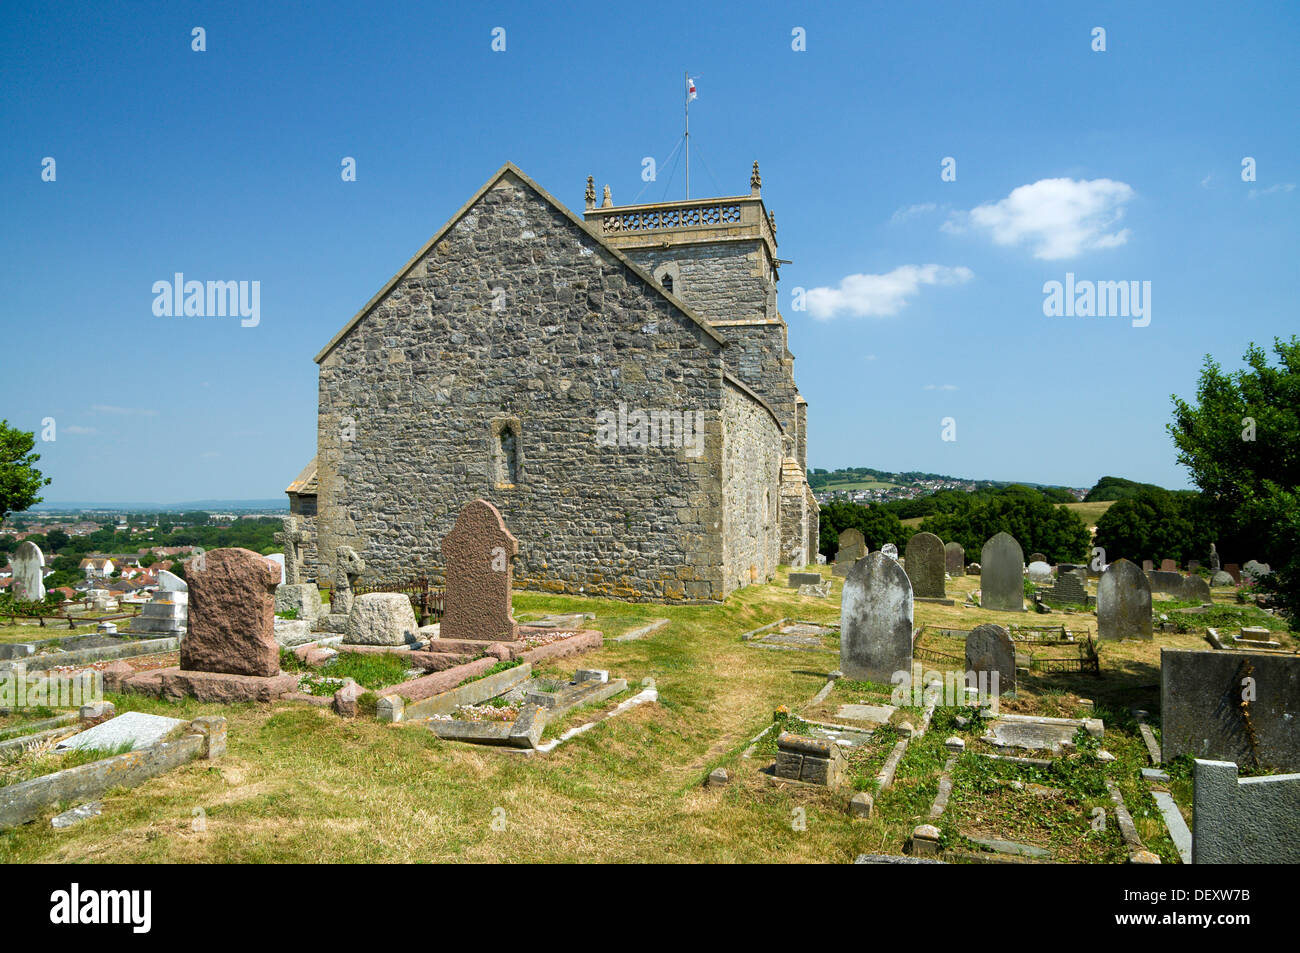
1221, 578
1243, 821
1148, 565
989, 649
1039, 572
1203, 712
876, 620
301, 600
167, 612
231, 614
798, 579
478, 551
1193, 565
381, 618
29, 572
925, 566
1168, 565
1069, 589
291, 538
890, 550
1123, 602
954, 559
852, 547
1002, 579
348, 567
1255, 571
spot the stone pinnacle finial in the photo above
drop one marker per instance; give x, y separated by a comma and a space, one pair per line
590, 194
771, 221
755, 180
606, 201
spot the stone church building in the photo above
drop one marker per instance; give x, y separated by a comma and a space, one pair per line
618, 385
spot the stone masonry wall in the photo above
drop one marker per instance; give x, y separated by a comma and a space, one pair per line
431, 377
751, 471
721, 281
758, 356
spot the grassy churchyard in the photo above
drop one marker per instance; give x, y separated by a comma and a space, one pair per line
302, 784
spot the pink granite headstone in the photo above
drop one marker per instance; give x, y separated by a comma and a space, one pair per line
478, 551
231, 614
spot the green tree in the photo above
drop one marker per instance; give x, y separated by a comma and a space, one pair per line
20, 481
1155, 524
57, 540
877, 526
1240, 441
1038, 525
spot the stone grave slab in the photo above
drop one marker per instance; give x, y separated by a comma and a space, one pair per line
925, 566
1123, 603
137, 727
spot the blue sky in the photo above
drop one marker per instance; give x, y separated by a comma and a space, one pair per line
1122, 165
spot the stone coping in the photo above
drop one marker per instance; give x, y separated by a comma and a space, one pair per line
205, 738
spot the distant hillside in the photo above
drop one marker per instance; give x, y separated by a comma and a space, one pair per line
220, 506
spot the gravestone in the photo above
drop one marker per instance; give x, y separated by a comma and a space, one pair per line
1168, 565
381, 618
1255, 571
29, 572
1195, 589
1233, 570
1193, 565
231, 614
1221, 578
798, 579
291, 539
477, 552
1243, 821
1123, 602
890, 550
1002, 579
954, 559
925, 562
852, 547
1039, 572
167, 612
973, 569
1148, 565
876, 620
989, 649
1037, 558
348, 567
1069, 589
1203, 714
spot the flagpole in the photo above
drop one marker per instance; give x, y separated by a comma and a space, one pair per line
686, 89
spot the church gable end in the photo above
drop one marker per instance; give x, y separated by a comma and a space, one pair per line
482, 370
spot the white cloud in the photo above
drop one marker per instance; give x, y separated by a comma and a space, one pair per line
129, 411
880, 295
940, 386
1280, 187
912, 211
1058, 218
